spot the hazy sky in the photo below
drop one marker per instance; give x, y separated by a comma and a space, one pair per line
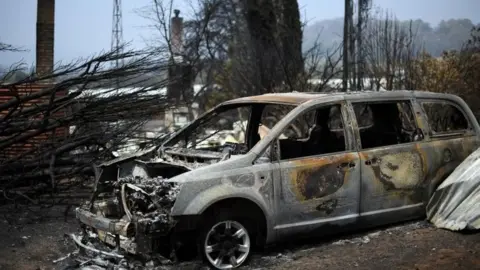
83, 27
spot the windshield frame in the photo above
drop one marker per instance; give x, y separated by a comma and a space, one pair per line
179, 135
255, 116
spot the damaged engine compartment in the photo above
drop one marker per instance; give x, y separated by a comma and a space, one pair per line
137, 207
130, 224
129, 212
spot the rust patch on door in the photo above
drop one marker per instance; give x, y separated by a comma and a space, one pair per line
319, 177
399, 171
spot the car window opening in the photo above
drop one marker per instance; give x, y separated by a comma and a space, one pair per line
383, 124
315, 132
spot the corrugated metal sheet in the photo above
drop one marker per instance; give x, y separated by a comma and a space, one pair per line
455, 205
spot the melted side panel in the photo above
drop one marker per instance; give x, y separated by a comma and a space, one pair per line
314, 178
254, 183
392, 177
317, 191
404, 175
442, 156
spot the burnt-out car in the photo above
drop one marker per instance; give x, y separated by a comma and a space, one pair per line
324, 163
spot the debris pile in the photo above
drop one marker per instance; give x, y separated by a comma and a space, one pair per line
180, 163
159, 188
150, 198
93, 254
358, 240
118, 226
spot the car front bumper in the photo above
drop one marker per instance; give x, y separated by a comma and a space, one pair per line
139, 236
135, 237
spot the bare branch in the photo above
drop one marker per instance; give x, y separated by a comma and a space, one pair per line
4, 47
56, 125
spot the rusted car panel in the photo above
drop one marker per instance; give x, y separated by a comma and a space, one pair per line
442, 157
230, 179
385, 186
454, 205
314, 193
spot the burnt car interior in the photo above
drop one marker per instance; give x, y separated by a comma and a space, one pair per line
445, 118
316, 132
242, 121
322, 131
386, 123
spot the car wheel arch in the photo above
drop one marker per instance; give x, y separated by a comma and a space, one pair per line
240, 202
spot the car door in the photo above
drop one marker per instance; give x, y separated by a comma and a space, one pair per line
392, 166
319, 188
450, 138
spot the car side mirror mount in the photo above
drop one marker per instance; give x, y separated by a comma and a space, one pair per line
418, 135
270, 154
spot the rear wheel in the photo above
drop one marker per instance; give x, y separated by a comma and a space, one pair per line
226, 241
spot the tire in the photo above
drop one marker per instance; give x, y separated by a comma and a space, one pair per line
224, 243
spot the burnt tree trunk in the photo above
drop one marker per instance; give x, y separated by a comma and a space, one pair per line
261, 21
291, 41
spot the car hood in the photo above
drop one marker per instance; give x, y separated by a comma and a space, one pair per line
173, 165
211, 171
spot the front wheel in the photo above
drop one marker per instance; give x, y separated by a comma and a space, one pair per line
226, 243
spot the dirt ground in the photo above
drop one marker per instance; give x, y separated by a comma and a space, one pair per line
30, 241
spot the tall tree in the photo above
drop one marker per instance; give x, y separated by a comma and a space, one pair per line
261, 20
363, 11
291, 40
348, 43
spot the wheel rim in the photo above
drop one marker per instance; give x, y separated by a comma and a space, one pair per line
227, 245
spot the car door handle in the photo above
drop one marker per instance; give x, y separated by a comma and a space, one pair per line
346, 165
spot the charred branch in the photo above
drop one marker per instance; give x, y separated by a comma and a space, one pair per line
58, 124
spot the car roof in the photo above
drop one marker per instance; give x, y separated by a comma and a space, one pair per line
297, 98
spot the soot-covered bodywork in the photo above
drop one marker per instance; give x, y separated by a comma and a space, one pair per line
146, 200
131, 203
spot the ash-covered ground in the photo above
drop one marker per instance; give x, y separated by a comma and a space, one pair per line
35, 239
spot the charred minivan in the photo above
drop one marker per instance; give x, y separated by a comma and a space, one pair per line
261, 169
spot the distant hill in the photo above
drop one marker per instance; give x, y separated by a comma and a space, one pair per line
447, 35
